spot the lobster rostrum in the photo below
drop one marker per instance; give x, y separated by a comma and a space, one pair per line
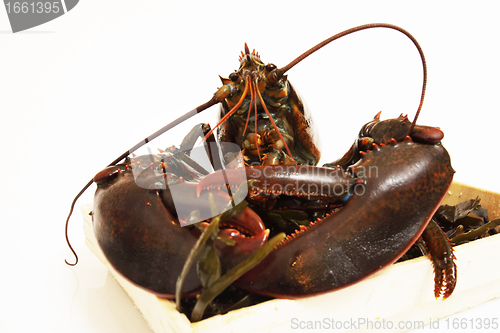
391, 182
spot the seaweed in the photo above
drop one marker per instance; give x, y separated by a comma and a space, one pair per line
462, 223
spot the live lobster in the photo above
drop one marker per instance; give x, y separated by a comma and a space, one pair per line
349, 234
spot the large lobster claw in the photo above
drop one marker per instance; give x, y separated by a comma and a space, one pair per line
405, 182
144, 241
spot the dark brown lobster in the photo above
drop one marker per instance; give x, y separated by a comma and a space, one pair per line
363, 211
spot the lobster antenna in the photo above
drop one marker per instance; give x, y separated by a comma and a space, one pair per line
281, 71
162, 130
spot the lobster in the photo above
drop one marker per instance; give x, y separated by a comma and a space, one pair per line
349, 234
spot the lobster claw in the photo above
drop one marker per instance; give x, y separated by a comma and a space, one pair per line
143, 240
405, 182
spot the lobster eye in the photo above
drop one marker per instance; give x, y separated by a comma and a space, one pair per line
270, 67
234, 76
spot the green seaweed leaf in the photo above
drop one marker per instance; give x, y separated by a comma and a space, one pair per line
453, 213
474, 234
195, 251
209, 268
224, 281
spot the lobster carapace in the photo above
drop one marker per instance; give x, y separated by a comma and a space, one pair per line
279, 130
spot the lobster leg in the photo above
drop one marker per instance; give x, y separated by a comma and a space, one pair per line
199, 131
445, 269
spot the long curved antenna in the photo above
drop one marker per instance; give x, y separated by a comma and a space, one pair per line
283, 70
162, 130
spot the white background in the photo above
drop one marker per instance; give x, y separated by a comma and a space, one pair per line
78, 91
